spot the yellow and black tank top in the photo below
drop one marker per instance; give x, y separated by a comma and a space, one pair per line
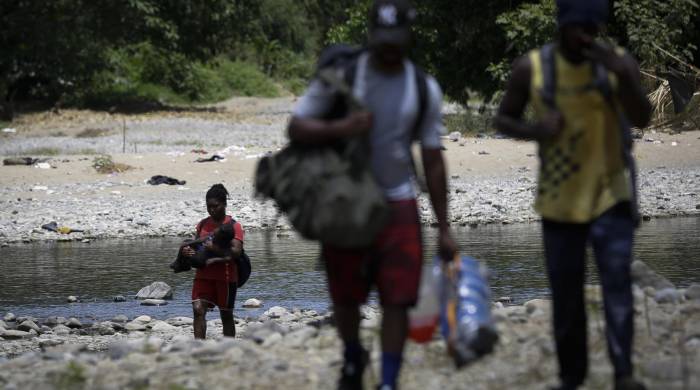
582, 171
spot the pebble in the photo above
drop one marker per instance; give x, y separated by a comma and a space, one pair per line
74, 323
692, 293
252, 303
72, 299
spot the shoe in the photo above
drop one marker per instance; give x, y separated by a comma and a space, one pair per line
351, 374
628, 383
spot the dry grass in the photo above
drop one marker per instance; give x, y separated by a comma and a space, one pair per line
105, 165
92, 133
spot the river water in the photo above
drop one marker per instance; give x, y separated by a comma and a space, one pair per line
36, 279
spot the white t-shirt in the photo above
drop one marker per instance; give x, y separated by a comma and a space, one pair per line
394, 103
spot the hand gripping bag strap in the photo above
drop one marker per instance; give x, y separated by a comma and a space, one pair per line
601, 83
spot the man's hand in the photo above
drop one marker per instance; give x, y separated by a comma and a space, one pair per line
356, 123
447, 246
550, 125
605, 54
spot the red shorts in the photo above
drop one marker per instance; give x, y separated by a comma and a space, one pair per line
393, 263
214, 292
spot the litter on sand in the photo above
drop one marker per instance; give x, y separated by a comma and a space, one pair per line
215, 157
20, 161
53, 227
160, 179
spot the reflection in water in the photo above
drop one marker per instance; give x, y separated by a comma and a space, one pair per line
36, 279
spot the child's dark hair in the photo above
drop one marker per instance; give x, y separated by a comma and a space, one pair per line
218, 192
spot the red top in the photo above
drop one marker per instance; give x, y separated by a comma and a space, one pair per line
220, 271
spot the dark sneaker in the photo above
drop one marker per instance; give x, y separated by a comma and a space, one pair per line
628, 383
351, 374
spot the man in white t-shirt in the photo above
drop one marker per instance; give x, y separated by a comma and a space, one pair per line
387, 85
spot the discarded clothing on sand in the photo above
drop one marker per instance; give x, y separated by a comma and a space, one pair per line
20, 161
215, 157
53, 227
160, 179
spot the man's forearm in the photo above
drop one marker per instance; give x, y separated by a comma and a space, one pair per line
436, 179
316, 131
517, 128
634, 102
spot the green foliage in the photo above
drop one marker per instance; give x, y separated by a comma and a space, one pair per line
650, 25
354, 30
526, 27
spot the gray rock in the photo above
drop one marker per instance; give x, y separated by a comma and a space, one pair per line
9, 317
120, 318
276, 312
156, 290
15, 335
51, 321
271, 339
162, 326
104, 328
298, 338
252, 303
119, 298
3, 324
72, 299
668, 295
136, 326
153, 302
664, 370
143, 319
643, 276
455, 136
537, 305
692, 293
74, 323
47, 343
28, 325
45, 329
61, 330
260, 333
180, 321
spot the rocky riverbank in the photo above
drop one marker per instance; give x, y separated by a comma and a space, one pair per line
298, 349
110, 209
492, 180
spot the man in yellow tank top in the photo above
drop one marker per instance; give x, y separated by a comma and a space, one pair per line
586, 180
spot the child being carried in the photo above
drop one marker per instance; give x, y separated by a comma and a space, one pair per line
214, 248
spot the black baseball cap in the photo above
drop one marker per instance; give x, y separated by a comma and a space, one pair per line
390, 22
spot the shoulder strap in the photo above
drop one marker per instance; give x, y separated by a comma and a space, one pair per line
549, 74
422, 88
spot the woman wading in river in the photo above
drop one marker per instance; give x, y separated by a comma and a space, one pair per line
216, 284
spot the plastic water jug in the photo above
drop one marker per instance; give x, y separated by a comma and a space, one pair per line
424, 317
465, 310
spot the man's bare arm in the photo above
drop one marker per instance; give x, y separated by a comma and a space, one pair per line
320, 131
436, 179
509, 119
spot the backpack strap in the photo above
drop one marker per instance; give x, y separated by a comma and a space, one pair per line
549, 75
422, 89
